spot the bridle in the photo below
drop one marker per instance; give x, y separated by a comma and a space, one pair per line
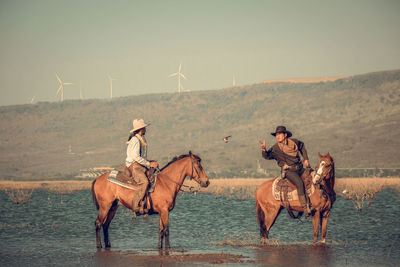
322, 173
194, 168
191, 176
318, 176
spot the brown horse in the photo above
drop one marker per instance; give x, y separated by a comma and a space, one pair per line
107, 196
321, 200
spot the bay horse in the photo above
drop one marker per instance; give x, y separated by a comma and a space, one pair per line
321, 199
107, 196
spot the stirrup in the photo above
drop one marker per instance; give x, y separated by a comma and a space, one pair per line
151, 189
307, 211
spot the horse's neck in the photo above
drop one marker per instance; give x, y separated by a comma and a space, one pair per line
330, 184
175, 173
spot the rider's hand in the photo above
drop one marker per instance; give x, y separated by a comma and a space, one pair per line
263, 145
153, 164
307, 163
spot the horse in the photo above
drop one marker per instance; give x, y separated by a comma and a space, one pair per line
321, 199
107, 196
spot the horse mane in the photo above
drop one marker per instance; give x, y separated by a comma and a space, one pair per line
176, 158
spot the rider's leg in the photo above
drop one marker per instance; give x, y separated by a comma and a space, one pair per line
294, 177
142, 181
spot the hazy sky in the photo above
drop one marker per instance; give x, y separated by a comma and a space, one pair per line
140, 43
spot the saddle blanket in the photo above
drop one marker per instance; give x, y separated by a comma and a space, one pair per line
120, 179
282, 190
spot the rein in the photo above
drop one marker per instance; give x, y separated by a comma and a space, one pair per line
191, 188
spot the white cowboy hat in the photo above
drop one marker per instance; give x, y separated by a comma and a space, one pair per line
138, 124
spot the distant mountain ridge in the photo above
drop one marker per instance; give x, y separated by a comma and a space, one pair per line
356, 119
306, 80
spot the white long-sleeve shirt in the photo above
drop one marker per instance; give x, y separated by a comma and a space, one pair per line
136, 153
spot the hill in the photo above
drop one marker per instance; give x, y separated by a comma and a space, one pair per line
356, 119
306, 80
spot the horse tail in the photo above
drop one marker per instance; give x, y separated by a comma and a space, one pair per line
260, 214
94, 195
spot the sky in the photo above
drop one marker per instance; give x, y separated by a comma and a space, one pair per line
140, 43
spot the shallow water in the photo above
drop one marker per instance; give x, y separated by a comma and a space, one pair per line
59, 230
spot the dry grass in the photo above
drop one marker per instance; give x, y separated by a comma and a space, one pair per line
362, 191
19, 196
358, 190
232, 188
58, 187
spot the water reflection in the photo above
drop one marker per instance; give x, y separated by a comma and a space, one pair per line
295, 255
130, 258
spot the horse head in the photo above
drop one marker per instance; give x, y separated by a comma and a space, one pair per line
198, 173
325, 169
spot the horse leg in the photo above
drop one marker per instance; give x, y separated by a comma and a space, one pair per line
315, 223
324, 224
270, 214
110, 216
97, 223
166, 235
103, 211
163, 229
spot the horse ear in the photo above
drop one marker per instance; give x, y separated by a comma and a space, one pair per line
329, 155
319, 155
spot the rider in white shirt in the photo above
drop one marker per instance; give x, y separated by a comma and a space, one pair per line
136, 160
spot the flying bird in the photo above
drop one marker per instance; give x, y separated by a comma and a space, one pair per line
226, 138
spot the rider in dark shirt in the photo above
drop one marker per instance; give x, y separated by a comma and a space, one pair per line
286, 153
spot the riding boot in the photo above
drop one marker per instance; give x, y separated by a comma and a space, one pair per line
152, 179
305, 205
135, 202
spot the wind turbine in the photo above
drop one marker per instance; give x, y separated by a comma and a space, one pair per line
179, 74
111, 89
80, 91
61, 88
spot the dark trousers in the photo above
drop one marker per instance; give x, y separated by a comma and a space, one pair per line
294, 177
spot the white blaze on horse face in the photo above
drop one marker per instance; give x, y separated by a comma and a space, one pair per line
317, 176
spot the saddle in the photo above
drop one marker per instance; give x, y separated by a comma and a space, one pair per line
283, 190
123, 178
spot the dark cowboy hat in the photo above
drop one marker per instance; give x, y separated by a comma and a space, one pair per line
282, 129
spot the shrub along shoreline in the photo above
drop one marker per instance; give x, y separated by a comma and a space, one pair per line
217, 186
359, 191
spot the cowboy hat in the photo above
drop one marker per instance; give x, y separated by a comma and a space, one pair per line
138, 124
282, 129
